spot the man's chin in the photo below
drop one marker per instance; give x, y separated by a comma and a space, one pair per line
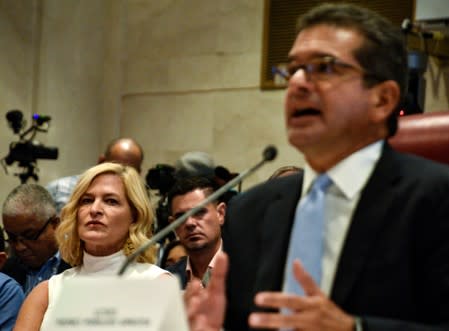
302, 141
195, 247
31, 262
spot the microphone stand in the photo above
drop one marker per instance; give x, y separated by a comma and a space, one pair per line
269, 154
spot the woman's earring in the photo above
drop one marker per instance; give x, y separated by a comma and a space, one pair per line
129, 247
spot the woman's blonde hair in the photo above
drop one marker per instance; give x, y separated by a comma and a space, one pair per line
70, 244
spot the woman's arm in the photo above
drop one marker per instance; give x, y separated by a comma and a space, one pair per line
33, 309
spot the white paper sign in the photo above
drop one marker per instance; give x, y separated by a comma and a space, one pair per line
114, 303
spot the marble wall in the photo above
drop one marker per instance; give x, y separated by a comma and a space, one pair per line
52, 63
177, 75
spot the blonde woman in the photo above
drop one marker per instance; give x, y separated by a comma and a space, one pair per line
107, 217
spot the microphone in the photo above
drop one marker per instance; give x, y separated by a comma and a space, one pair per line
14, 115
15, 120
269, 154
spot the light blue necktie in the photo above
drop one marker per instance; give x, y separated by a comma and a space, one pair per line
306, 241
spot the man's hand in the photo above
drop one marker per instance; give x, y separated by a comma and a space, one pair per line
312, 312
206, 306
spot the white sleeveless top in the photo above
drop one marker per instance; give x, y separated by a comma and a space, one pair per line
99, 266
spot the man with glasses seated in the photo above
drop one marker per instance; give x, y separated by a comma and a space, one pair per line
29, 219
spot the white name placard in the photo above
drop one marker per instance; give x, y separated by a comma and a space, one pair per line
114, 303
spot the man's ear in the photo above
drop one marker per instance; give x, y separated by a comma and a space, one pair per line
384, 99
3, 258
221, 209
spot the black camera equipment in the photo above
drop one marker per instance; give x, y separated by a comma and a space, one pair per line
161, 178
27, 151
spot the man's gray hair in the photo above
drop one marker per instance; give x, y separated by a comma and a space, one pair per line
29, 199
195, 164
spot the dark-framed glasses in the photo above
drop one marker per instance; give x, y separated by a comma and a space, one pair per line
14, 238
324, 68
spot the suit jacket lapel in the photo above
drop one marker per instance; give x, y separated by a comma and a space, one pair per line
274, 234
368, 219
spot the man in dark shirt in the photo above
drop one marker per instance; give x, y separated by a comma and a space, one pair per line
201, 233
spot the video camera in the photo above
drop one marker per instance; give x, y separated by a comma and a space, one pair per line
161, 178
27, 151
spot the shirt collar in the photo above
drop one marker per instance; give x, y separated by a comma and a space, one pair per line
210, 265
51, 262
352, 173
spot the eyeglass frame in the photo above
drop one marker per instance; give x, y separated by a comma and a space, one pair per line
12, 238
330, 61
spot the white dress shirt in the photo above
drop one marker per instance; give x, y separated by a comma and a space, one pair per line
349, 177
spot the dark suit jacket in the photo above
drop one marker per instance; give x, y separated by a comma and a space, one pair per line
15, 269
179, 269
394, 266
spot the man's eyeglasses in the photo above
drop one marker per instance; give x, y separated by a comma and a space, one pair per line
13, 238
323, 69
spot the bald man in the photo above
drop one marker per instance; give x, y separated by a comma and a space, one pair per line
121, 150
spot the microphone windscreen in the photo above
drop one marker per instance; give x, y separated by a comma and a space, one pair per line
14, 115
270, 152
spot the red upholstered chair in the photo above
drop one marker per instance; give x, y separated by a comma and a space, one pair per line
425, 134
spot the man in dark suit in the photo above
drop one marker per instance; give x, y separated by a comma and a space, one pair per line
30, 219
385, 261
